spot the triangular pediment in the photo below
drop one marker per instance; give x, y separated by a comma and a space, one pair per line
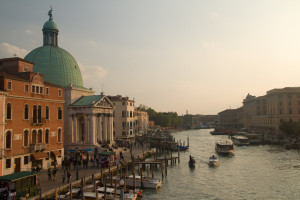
104, 102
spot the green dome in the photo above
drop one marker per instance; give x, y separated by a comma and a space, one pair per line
50, 25
56, 64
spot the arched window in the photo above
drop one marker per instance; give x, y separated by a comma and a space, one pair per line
34, 118
40, 136
59, 113
47, 136
34, 134
8, 111
8, 140
59, 135
47, 112
26, 138
26, 111
39, 114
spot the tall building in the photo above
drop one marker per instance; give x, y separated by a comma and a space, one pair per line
141, 121
80, 114
231, 119
33, 124
124, 121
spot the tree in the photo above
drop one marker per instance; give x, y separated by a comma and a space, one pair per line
290, 128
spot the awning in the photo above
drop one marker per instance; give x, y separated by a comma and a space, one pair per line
40, 155
56, 153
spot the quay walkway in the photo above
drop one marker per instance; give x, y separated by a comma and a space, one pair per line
49, 186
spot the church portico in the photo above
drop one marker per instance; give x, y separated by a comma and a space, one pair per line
91, 123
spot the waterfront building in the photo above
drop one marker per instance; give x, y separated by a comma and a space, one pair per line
231, 119
32, 130
264, 114
141, 121
124, 120
81, 116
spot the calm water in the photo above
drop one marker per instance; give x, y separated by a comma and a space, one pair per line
255, 172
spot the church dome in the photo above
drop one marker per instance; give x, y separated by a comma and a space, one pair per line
56, 64
50, 25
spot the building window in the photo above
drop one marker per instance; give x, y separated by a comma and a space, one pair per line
26, 160
47, 136
8, 163
33, 139
37, 89
123, 113
280, 111
290, 103
130, 113
35, 114
124, 133
41, 90
47, 112
47, 91
26, 88
59, 135
8, 111
33, 89
59, 93
123, 103
40, 136
290, 111
26, 111
124, 124
59, 113
39, 114
9, 85
26, 138
8, 140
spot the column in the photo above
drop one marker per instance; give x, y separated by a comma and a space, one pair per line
99, 129
111, 127
105, 127
75, 134
86, 129
92, 133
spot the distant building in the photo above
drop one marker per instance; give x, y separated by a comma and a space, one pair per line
265, 113
231, 119
141, 121
124, 119
33, 128
198, 121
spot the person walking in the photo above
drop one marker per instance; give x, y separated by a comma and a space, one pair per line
69, 176
63, 176
54, 174
49, 174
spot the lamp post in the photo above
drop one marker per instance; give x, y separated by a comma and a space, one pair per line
76, 157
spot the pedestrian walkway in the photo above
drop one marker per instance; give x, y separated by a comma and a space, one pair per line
46, 184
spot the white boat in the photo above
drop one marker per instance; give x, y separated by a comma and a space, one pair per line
240, 140
253, 138
225, 147
213, 161
148, 182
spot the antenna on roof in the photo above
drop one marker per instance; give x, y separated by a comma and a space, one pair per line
15, 55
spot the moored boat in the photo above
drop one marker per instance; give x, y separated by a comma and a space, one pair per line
148, 182
240, 140
224, 148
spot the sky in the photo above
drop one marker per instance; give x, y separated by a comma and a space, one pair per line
171, 55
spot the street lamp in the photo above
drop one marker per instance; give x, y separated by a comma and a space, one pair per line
76, 157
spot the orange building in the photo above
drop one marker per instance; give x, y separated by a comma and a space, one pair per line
33, 118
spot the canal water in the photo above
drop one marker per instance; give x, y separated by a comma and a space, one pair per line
255, 172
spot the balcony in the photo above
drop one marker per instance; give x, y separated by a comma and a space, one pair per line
37, 147
38, 121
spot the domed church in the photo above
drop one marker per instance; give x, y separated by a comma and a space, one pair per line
57, 65
88, 118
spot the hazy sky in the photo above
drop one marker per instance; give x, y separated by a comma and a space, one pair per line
171, 55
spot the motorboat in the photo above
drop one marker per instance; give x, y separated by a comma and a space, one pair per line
240, 140
213, 161
225, 148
